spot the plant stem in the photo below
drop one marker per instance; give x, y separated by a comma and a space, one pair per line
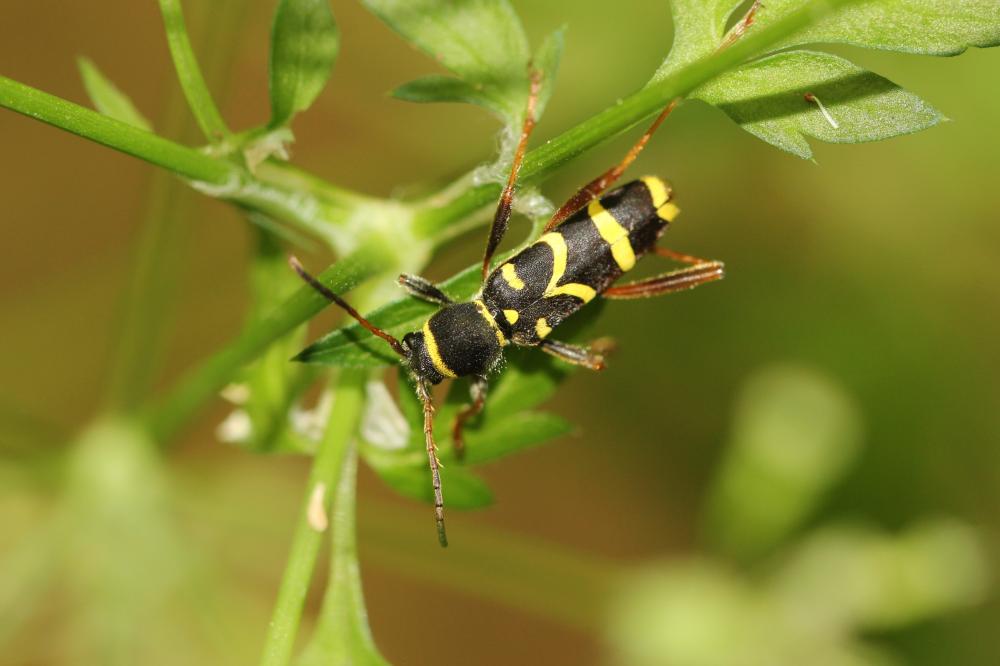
146, 305
341, 634
189, 73
326, 470
166, 416
115, 134
543, 160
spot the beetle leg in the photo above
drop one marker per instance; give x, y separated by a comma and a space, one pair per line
502, 216
423, 289
594, 188
584, 356
700, 272
477, 391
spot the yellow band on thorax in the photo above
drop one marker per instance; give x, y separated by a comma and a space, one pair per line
485, 312
430, 342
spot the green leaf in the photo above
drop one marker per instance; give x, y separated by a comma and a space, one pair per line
767, 98
352, 346
342, 635
546, 61
107, 98
498, 438
438, 88
480, 41
189, 72
930, 27
699, 28
304, 45
462, 489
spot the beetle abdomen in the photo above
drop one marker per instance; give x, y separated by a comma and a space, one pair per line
565, 269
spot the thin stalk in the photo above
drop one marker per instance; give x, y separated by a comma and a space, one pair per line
326, 470
166, 416
115, 134
632, 110
138, 345
342, 634
189, 73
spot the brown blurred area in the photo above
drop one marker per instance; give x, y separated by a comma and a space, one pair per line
876, 267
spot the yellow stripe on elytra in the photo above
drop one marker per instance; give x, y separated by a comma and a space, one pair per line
668, 211
614, 234
509, 274
511, 316
432, 348
484, 311
555, 240
581, 291
542, 328
659, 192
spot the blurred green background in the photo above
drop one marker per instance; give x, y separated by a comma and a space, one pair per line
798, 465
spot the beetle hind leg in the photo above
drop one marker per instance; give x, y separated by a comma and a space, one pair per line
698, 272
477, 392
591, 358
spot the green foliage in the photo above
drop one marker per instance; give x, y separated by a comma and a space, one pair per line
926, 27
507, 425
304, 45
342, 636
767, 98
189, 72
791, 440
482, 42
794, 434
268, 389
107, 98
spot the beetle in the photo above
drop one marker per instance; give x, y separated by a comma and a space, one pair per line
588, 244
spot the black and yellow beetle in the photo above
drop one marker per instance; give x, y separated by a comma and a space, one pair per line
587, 245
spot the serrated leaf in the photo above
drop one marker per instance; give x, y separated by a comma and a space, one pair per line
930, 27
767, 98
304, 45
699, 28
352, 346
107, 98
481, 41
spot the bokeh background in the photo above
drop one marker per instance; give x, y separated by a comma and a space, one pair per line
797, 465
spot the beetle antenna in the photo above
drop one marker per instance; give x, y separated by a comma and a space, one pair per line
333, 298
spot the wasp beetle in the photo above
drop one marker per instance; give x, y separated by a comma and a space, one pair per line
588, 244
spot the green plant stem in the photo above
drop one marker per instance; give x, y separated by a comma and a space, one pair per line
115, 134
327, 466
341, 634
138, 347
166, 416
632, 110
189, 73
